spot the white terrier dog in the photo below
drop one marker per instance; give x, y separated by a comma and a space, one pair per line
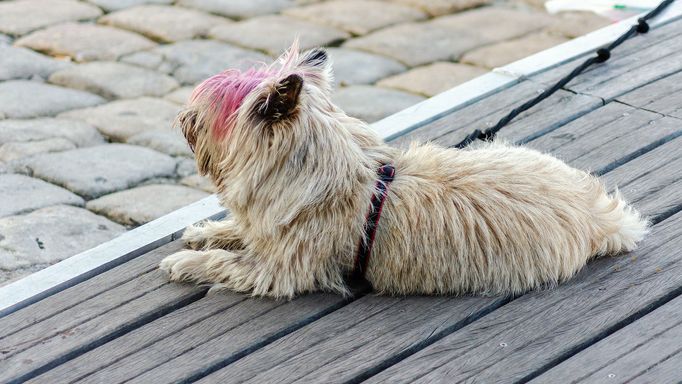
315, 195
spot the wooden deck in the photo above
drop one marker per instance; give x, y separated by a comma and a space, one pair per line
619, 320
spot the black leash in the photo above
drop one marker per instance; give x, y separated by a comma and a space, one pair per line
603, 54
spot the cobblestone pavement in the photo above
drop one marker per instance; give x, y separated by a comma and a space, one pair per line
88, 90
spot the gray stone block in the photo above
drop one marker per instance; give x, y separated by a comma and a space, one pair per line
22, 194
95, 171
24, 99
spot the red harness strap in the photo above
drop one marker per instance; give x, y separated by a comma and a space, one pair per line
386, 174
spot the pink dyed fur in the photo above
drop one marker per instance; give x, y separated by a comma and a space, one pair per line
227, 91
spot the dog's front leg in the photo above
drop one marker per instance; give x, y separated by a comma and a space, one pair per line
234, 270
214, 266
213, 235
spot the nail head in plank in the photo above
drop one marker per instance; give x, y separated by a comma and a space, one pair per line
522, 337
626, 353
662, 96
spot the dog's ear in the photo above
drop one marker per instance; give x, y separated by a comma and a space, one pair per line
315, 57
283, 100
187, 121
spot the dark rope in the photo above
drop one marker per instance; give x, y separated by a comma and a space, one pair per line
603, 54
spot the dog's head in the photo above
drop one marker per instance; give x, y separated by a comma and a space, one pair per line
243, 109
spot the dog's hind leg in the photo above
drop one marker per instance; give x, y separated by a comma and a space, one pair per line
213, 235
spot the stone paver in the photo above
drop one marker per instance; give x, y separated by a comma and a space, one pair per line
186, 167
193, 61
372, 103
51, 234
114, 80
199, 182
116, 5
22, 63
574, 24
274, 34
495, 24
22, 16
417, 43
443, 7
14, 151
79, 133
432, 79
448, 37
24, 99
121, 119
85, 42
239, 9
95, 171
143, 204
353, 67
170, 142
180, 96
499, 54
22, 194
164, 23
358, 17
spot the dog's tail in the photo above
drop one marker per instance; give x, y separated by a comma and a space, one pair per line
623, 226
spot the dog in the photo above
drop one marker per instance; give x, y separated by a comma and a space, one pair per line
311, 201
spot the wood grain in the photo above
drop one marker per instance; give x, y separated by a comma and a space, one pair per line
608, 137
626, 354
541, 328
62, 303
91, 323
667, 371
148, 342
662, 96
240, 339
356, 339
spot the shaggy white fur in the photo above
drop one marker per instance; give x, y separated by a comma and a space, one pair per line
297, 175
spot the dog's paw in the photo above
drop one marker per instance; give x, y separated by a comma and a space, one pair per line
176, 264
194, 236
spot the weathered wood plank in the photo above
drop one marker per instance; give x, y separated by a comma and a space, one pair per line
662, 96
91, 323
240, 339
355, 339
145, 341
665, 372
653, 181
92, 288
521, 338
637, 62
627, 353
608, 137
557, 110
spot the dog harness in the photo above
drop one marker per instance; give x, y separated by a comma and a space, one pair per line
386, 173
